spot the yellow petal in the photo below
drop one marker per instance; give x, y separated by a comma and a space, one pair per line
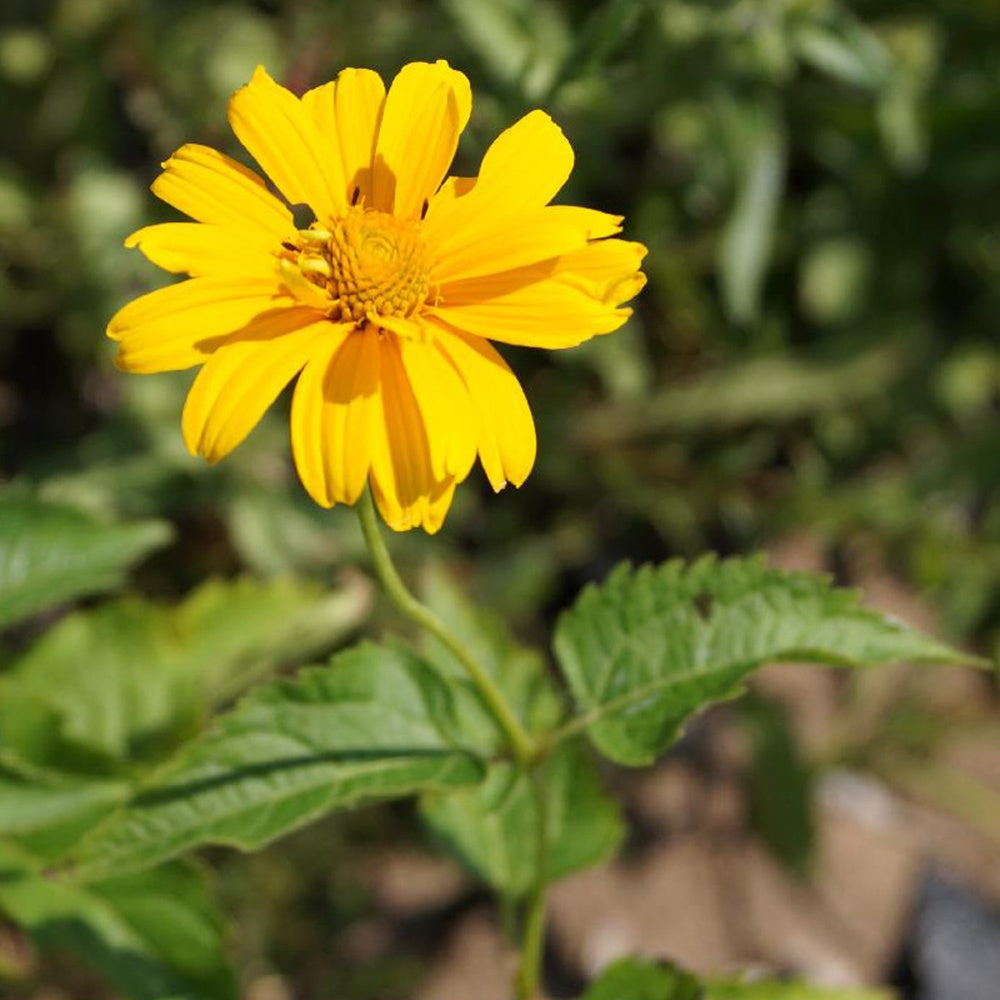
210, 187
350, 108
445, 407
244, 377
281, 135
181, 325
197, 248
425, 111
403, 483
505, 430
604, 270
548, 313
437, 507
608, 270
336, 411
523, 169
495, 244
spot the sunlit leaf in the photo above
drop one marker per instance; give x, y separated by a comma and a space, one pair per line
770, 989
376, 723
493, 826
649, 647
520, 672
132, 670
26, 805
51, 553
641, 979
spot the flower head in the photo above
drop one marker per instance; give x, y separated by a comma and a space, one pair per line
384, 304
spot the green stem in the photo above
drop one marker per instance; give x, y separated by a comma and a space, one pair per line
521, 743
529, 974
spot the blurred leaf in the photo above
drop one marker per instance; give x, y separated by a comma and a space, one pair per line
29, 805
154, 938
607, 28
745, 251
491, 827
376, 723
520, 672
642, 979
51, 553
770, 989
831, 39
779, 786
132, 670
760, 390
520, 42
649, 647
833, 278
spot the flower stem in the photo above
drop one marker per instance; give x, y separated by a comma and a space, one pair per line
521, 743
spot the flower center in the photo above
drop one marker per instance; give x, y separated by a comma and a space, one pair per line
370, 264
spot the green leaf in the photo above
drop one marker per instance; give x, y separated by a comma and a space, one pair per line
607, 28
131, 670
491, 827
641, 979
769, 989
838, 44
779, 786
649, 647
157, 937
376, 723
745, 250
29, 806
51, 553
520, 672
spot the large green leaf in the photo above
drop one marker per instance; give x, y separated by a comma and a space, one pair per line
376, 723
154, 937
50, 553
30, 805
649, 647
492, 827
130, 671
641, 979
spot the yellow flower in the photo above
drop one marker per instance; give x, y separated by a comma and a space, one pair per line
385, 304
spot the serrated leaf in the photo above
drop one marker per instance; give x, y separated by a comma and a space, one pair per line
491, 827
51, 553
132, 670
641, 979
375, 723
649, 647
154, 938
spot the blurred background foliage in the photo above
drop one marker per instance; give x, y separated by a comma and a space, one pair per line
819, 187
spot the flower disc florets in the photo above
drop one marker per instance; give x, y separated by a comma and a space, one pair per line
369, 263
